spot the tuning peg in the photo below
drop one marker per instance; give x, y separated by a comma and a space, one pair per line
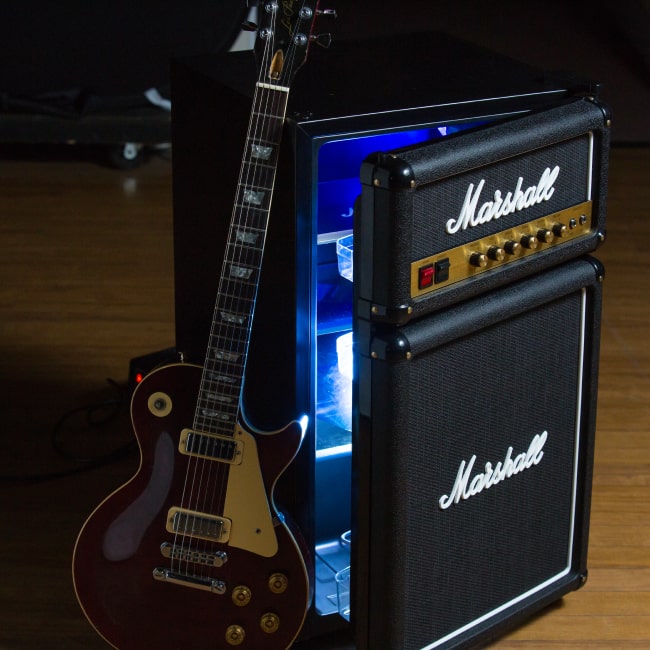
249, 26
324, 40
330, 13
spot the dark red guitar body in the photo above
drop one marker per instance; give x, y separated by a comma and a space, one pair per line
118, 551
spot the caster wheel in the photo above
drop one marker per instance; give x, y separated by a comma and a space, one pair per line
126, 156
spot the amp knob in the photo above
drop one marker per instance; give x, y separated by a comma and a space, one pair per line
545, 235
479, 260
496, 254
512, 247
559, 230
529, 241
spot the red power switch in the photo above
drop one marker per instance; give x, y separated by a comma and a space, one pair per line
425, 276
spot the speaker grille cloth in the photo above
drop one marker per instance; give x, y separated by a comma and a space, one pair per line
442, 200
479, 395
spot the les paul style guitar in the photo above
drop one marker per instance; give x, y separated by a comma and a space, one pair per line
191, 553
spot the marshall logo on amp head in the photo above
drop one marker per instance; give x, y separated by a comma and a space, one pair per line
501, 206
528, 186
467, 486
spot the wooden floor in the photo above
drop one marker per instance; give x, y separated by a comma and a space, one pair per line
86, 284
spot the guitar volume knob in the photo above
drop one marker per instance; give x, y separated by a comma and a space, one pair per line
278, 583
270, 622
241, 596
235, 635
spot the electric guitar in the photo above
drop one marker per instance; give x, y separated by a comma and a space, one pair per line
191, 553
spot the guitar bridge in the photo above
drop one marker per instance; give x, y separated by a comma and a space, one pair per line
195, 582
198, 524
171, 551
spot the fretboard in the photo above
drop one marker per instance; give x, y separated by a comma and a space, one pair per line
220, 393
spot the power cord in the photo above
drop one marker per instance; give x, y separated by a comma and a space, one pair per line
97, 415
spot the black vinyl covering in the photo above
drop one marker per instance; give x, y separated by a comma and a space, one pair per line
512, 370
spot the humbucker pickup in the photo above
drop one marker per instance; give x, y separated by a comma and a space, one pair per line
198, 524
211, 446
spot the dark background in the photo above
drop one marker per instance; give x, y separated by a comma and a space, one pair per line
92, 49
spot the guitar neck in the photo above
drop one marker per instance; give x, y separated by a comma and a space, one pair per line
219, 396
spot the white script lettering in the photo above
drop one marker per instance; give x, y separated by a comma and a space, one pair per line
501, 205
464, 488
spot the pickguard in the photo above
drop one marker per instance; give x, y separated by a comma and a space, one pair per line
247, 505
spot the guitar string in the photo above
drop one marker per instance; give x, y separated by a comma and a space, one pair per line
197, 466
257, 174
202, 471
265, 128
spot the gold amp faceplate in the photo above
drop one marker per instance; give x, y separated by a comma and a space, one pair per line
482, 255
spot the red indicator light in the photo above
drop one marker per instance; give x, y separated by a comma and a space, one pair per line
138, 377
425, 276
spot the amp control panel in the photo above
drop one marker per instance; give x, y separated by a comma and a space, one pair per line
443, 221
504, 247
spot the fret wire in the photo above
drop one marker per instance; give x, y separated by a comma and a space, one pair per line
247, 283
219, 378
224, 367
206, 401
220, 342
234, 303
241, 303
235, 315
247, 289
232, 394
219, 400
248, 257
221, 381
248, 206
262, 183
243, 257
236, 295
225, 344
246, 239
266, 144
280, 118
249, 241
261, 164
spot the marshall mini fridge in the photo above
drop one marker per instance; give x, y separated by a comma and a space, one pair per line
426, 301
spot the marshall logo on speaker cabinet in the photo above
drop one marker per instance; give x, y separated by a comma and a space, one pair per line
464, 488
501, 206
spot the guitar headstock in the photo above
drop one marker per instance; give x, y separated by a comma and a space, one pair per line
284, 36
